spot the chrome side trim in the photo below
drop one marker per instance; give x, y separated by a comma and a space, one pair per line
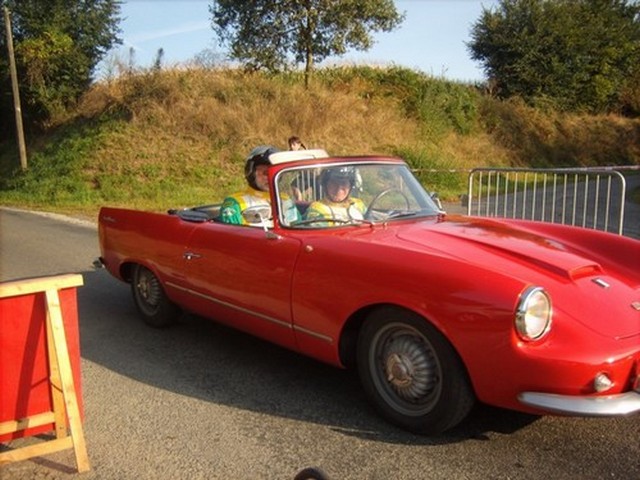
276, 321
311, 333
230, 305
607, 405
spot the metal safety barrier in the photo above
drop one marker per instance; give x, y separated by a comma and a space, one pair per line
589, 198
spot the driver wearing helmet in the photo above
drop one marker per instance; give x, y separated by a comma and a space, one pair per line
257, 194
337, 204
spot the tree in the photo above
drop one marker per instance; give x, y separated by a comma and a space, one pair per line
272, 34
579, 53
58, 44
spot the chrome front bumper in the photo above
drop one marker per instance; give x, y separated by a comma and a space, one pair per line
606, 405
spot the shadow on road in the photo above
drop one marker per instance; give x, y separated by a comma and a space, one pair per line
217, 364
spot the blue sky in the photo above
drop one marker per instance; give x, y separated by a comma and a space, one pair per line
431, 38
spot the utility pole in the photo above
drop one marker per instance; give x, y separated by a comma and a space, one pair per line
16, 93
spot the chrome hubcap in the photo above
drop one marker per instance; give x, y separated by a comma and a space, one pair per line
409, 367
399, 370
149, 289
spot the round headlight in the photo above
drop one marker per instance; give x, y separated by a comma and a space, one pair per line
533, 314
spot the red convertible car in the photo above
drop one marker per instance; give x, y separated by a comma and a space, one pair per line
434, 311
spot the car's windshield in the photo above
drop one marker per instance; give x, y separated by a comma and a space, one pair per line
333, 195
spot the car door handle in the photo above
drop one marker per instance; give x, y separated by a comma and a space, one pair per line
191, 255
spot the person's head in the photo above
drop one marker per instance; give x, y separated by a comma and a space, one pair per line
295, 143
256, 167
337, 183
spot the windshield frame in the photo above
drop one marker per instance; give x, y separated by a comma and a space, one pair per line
426, 205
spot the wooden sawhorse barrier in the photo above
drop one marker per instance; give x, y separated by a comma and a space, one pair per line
62, 395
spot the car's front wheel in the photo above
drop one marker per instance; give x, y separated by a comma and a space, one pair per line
150, 300
411, 373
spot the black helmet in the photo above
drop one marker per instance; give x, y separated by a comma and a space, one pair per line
338, 173
258, 156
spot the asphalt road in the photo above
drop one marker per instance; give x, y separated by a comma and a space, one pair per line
200, 401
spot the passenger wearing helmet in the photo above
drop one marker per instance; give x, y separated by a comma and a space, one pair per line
337, 204
257, 194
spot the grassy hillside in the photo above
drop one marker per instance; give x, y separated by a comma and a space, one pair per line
175, 138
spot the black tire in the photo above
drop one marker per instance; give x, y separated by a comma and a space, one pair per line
411, 373
152, 303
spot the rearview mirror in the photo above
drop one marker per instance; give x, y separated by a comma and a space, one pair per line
436, 199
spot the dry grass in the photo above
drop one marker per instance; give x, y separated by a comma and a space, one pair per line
182, 124
238, 110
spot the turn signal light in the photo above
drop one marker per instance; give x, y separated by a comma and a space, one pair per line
602, 383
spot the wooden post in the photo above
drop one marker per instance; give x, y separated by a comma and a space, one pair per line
66, 410
55, 325
16, 92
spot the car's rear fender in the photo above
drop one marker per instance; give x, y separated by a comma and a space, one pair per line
156, 241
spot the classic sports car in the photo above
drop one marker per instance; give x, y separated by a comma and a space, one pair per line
434, 311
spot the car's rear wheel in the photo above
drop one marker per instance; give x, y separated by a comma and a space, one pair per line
411, 373
151, 301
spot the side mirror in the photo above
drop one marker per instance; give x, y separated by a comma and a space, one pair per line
257, 215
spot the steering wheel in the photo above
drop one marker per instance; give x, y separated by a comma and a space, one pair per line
382, 194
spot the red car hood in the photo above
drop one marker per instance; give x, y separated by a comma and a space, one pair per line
499, 246
503, 240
